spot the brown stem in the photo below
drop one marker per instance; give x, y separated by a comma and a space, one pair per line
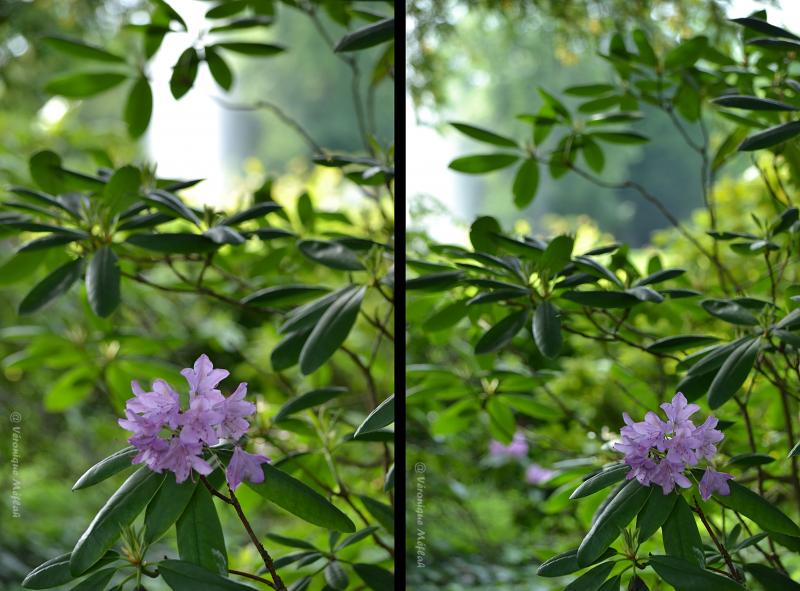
723, 552
214, 491
251, 576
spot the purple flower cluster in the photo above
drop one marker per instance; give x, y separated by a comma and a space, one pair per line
171, 438
518, 448
659, 452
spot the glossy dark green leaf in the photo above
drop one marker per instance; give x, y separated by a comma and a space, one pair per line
686, 576
482, 235
55, 572
356, 537
733, 373
484, 135
52, 241
659, 276
751, 459
763, 512
645, 49
589, 89
566, 563
380, 417
620, 137
753, 103
224, 235
335, 576
55, 284
46, 171
556, 256
526, 182
184, 73
281, 295
173, 243
199, 532
368, 36
770, 579
375, 577
122, 189
593, 154
770, 137
601, 299
169, 203
167, 507
84, 84
383, 513
601, 480
186, 576
119, 511
258, 210
330, 254
592, 579
81, 49
96, 581
610, 520
680, 343
107, 467
226, 9
246, 48
499, 335
686, 53
483, 163
681, 536
547, 329
139, 107
286, 353
308, 400
331, 330
762, 26
592, 267
654, 514
447, 317
102, 282
435, 281
729, 311
305, 316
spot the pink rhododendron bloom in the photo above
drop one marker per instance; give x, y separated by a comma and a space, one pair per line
660, 452
170, 438
536, 474
518, 448
244, 466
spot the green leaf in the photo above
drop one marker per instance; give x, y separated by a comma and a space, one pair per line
753, 103
245, 48
286, 353
185, 576
171, 204
620, 137
356, 537
526, 181
119, 511
589, 89
102, 282
762, 26
681, 537
173, 243
686, 53
305, 316
200, 537
601, 299
184, 73
166, 507
375, 577
686, 576
447, 317
55, 284
139, 107
51, 241
659, 276
556, 256
46, 171
383, 513
369, 36
593, 154
301, 500
752, 505
566, 563
331, 330
601, 480
751, 459
680, 343
219, 68
592, 267
227, 8
380, 417
733, 372
646, 53
655, 513
335, 577
284, 294
107, 467
257, 211
308, 400
224, 235
484, 135
482, 234
82, 50
547, 329
729, 311
770, 137
435, 281
122, 189
55, 572
95, 582
84, 84
482, 163
501, 333
770, 579
331, 254
592, 579
611, 519
291, 542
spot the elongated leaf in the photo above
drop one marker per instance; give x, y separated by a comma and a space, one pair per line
501, 333
185, 576
96, 581
376, 578
566, 563
592, 267
258, 210
369, 36
729, 311
435, 281
382, 512
380, 417
301, 500
686, 576
120, 510
592, 579
200, 537
680, 343
482, 163
356, 537
184, 73
286, 353
245, 48
733, 372
105, 468
304, 317
122, 189
681, 536
771, 579
752, 505
170, 203
55, 572
335, 576
611, 519
620, 137
166, 507
173, 243
285, 294
601, 299
770, 137
659, 276
753, 103
762, 26
601, 480
139, 107
308, 400
484, 135
655, 513
751, 459
55, 284
556, 255
331, 254
84, 84
526, 182
547, 329
224, 235
81, 49
331, 330
219, 68
51, 241
102, 282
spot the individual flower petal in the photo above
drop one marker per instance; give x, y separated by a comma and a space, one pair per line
714, 482
678, 411
708, 436
199, 421
244, 466
233, 409
203, 378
